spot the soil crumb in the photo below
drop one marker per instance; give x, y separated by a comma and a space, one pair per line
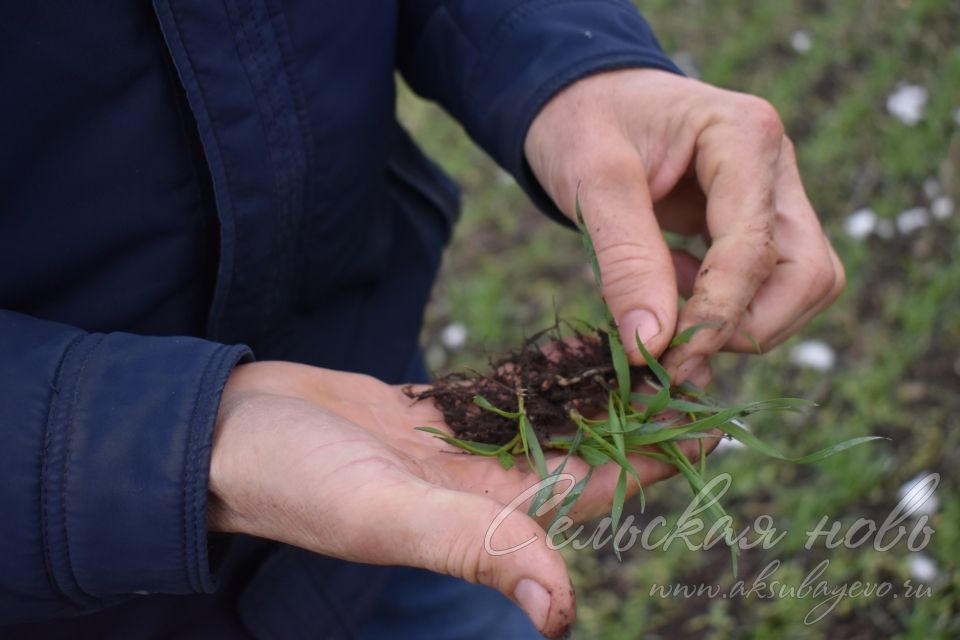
554, 376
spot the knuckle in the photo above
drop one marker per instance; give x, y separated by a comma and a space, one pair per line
822, 279
625, 256
763, 118
719, 313
460, 553
760, 248
466, 555
624, 264
467, 560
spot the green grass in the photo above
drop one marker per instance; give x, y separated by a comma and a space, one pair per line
896, 330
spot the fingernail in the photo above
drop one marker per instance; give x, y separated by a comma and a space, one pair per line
642, 323
534, 600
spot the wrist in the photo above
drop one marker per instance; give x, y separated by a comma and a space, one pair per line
223, 513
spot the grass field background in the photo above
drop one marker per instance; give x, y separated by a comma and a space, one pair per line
829, 67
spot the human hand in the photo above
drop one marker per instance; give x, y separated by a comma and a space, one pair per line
653, 151
330, 462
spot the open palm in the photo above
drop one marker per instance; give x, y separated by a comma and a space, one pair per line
331, 462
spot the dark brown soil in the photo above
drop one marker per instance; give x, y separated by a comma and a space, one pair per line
568, 374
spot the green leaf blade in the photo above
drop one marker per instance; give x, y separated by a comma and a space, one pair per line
476, 448
486, 405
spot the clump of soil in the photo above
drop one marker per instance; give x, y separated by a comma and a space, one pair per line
570, 374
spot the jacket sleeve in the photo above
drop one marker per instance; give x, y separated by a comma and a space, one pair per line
494, 63
104, 452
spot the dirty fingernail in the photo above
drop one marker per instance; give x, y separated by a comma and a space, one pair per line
642, 323
534, 600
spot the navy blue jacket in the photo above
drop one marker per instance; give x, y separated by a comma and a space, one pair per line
182, 177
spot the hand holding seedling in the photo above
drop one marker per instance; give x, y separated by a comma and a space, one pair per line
331, 462
653, 151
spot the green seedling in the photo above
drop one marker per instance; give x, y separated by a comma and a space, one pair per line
636, 424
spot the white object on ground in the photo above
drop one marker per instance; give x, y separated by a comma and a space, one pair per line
912, 220
907, 103
860, 224
454, 335
913, 491
813, 354
801, 41
923, 568
942, 208
931, 188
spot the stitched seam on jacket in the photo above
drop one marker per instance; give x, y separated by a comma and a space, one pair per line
45, 464
248, 49
283, 150
199, 173
200, 489
279, 84
304, 128
280, 148
68, 434
301, 137
226, 210
231, 355
189, 484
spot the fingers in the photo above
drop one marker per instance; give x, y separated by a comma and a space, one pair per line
737, 166
808, 276
768, 269
477, 539
287, 470
830, 297
639, 283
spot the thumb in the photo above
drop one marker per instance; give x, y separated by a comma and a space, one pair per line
636, 267
480, 540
